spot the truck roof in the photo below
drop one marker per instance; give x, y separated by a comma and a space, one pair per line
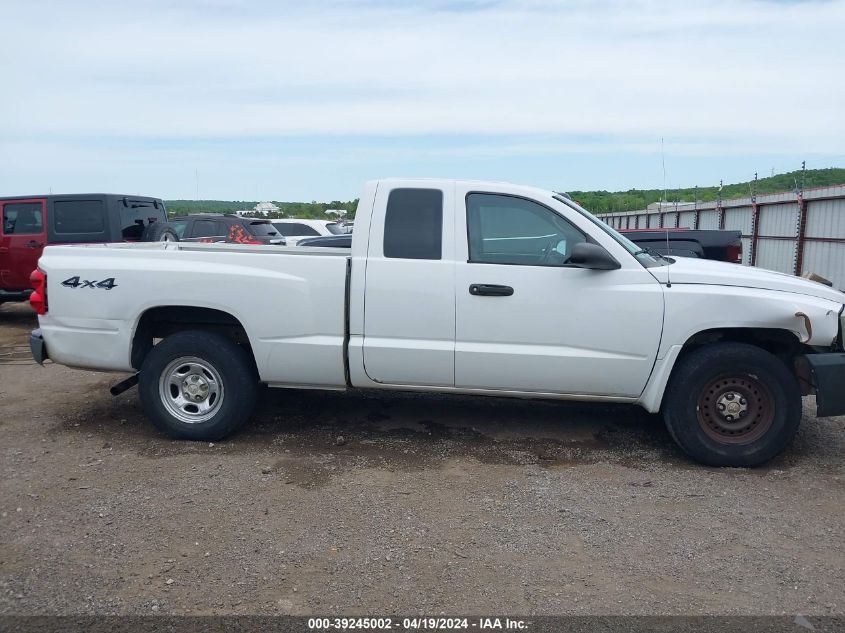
480, 184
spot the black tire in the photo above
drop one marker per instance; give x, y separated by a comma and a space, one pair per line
159, 232
732, 404
225, 367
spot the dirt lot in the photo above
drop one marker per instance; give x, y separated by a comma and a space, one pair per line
384, 503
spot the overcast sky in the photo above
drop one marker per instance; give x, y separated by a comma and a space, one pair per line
306, 100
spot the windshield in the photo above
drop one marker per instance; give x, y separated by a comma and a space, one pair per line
643, 256
335, 228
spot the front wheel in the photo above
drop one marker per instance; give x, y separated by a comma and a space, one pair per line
732, 404
198, 385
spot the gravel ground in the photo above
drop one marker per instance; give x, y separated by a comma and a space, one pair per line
372, 503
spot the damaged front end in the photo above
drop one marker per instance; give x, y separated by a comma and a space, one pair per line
823, 374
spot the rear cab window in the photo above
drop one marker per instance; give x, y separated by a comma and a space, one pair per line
413, 224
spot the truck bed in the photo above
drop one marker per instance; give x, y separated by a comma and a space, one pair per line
294, 298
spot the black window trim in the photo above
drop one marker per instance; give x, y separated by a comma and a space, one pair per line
587, 237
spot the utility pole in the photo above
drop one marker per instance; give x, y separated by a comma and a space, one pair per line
798, 263
803, 174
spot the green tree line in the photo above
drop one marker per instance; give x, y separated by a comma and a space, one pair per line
635, 199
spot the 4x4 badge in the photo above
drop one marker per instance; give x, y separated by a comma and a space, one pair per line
74, 282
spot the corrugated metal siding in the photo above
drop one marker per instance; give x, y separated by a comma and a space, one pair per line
738, 219
826, 218
826, 259
708, 219
746, 251
687, 219
776, 255
779, 219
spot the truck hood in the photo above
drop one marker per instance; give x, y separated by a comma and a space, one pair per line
690, 270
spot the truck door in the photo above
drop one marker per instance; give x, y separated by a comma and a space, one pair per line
527, 321
409, 305
21, 241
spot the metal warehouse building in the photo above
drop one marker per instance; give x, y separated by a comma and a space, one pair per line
789, 232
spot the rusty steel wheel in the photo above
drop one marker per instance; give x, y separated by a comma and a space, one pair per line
732, 404
735, 409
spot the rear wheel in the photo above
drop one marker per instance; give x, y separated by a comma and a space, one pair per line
198, 385
732, 404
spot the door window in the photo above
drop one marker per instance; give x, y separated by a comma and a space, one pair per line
413, 224
23, 218
79, 216
507, 230
205, 228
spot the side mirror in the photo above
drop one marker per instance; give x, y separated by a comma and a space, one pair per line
592, 256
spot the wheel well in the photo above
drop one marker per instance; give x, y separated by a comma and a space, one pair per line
160, 322
781, 343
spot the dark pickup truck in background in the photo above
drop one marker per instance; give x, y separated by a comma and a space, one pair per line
721, 245
724, 246
29, 223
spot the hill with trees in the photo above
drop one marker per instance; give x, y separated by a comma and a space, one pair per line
595, 201
635, 199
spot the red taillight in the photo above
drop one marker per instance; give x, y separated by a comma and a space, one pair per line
38, 298
734, 253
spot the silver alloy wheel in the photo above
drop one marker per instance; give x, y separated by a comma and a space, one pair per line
166, 237
191, 389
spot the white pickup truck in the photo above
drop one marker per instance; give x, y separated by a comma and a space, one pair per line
455, 287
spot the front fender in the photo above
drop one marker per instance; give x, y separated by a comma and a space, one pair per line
693, 308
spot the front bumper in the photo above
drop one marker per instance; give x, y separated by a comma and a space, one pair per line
37, 347
828, 379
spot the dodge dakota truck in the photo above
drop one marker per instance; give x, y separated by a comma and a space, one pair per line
454, 287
